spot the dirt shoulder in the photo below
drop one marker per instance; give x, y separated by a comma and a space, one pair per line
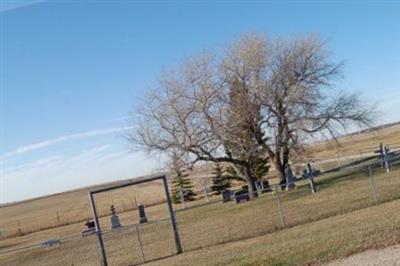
383, 257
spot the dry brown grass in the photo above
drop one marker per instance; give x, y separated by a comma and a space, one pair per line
355, 144
213, 224
62, 215
308, 244
73, 206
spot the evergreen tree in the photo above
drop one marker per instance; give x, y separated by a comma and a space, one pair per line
220, 179
259, 166
181, 182
244, 116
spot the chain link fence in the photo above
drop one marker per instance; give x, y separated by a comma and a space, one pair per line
347, 189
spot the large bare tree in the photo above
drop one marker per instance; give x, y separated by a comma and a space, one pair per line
287, 93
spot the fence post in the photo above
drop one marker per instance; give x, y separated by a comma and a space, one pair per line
58, 219
373, 184
98, 232
280, 208
182, 198
172, 215
205, 190
140, 242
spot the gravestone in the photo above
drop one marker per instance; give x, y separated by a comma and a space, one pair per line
142, 214
115, 223
290, 179
90, 228
263, 186
226, 195
242, 195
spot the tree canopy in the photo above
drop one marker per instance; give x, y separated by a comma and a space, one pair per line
260, 97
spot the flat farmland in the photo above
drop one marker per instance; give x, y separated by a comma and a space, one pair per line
211, 225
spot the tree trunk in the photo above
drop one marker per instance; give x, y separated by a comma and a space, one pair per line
252, 189
246, 173
281, 172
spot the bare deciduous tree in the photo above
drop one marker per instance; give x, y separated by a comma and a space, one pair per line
284, 93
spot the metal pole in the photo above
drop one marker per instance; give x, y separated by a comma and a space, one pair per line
205, 190
98, 231
140, 242
182, 198
311, 178
280, 208
373, 184
172, 215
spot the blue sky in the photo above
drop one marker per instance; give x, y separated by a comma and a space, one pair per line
72, 73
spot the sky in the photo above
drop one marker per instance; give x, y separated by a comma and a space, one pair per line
72, 73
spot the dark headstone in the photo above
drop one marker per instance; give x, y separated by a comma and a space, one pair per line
90, 228
226, 195
90, 224
263, 186
290, 179
142, 214
242, 196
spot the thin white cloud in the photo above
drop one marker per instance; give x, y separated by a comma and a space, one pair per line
113, 156
47, 164
86, 156
50, 142
13, 4
59, 173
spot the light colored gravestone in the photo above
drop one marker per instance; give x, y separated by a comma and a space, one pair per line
115, 223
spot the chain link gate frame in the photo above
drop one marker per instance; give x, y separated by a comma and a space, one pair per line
163, 177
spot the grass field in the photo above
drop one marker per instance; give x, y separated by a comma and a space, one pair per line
73, 206
358, 144
307, 244
211, 225
214, 225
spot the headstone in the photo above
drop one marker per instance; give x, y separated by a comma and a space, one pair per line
263, 186
226, 195
90, 224
241, 196
290, 179
90, 228
115, 223
142, 214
